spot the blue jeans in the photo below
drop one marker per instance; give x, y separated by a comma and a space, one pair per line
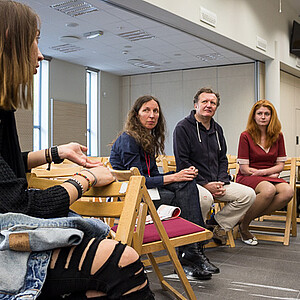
35, 277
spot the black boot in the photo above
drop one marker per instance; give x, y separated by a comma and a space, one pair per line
204, 261
187, 260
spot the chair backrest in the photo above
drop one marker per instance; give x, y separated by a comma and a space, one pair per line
168, 163
61, 170
126, 211
124, 175
232, 166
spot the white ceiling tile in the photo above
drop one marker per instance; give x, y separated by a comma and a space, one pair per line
106, 52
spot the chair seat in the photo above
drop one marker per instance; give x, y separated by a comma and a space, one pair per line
174, 228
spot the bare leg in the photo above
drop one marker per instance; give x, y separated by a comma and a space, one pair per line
284, 194
103, 252
265, 192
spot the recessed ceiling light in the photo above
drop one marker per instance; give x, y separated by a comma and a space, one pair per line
72, 24
142, 63
69, 39
93, 34
211, 56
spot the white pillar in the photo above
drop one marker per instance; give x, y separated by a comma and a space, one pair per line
272, 79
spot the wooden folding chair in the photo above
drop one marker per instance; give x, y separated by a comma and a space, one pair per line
289, 216
59, 170
131, 227
169, 164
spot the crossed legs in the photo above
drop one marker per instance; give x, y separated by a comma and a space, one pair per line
96, 269
269, 198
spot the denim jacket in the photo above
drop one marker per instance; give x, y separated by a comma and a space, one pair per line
25, 249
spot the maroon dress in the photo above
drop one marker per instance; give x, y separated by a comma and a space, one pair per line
253, 154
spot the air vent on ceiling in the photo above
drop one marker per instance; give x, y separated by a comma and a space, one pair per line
74, 8
208, 17
210, 56
142, 63
66, 48
261, 43
136, 35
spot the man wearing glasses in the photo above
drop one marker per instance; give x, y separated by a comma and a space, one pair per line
199, 141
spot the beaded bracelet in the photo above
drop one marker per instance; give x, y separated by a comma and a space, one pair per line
95, 178
85, 177
78, 186
55, 157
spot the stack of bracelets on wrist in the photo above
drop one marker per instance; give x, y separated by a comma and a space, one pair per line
95, 178
54, 154
85, 177
78, 186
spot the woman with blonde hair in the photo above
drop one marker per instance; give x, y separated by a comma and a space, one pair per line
261, 155
47, 252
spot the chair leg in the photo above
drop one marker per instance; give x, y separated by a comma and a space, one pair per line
294, 215
287, 231
179, 270
171, 253
230, 238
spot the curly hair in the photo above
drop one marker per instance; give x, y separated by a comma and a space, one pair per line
273, 128
18, 28
152, 142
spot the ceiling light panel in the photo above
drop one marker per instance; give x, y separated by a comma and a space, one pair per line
211, 56
142, 63
74, 8
136, 35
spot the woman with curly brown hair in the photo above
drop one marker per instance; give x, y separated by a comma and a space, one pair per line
261, 155
137, 146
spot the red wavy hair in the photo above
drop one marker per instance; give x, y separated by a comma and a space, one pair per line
273, 129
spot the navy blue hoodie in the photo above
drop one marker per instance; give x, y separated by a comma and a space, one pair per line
204, 149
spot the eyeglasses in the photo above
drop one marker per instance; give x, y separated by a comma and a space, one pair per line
212, 103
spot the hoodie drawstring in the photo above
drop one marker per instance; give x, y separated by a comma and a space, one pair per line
198, 132
217, 135
199, 136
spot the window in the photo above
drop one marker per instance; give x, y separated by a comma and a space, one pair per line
41, 107
92, 111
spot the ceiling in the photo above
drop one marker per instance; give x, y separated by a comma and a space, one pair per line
156, 47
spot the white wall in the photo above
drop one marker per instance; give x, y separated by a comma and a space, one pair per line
110, 110
175, 91
67, 81
290, 102
239, 22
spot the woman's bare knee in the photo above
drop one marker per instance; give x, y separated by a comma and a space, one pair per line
266, 189
104, 250
129, 256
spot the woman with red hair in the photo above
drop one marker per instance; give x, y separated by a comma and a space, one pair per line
261, 156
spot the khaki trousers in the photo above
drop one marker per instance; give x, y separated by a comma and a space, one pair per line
239, 198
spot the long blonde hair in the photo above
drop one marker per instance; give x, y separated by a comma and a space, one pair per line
273, 128
19, 26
